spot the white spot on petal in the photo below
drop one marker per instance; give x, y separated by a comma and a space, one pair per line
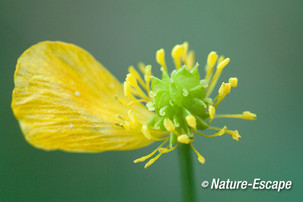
112, 85
77, 93
71, 125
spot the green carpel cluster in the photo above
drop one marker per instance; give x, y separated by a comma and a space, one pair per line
178, 96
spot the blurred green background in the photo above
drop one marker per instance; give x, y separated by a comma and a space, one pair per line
262, 38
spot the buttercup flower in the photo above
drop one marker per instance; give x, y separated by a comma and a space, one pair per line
64, 99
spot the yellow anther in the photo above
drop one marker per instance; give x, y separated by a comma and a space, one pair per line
217, 75
221, 90
233, 81
147, 76
184, 56
190, 60
132, 117
177, 53
136, 74
235, 135
151, 161
160, 57
191, 121
224, 90
201, 159
126, 125
147, 73
223, 64
219, 133
141, 67
143, 158
227, 88
221, 58
212, 59
211, 111
164, 150
140, 159
184, 139
245, 115
146, 131
169, 125
248, 115
131, 79
127, 89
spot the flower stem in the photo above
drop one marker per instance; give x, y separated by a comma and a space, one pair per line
187, 175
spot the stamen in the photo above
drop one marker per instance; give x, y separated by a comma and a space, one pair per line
211, 111
245, 115
184, 56
126, 125
118, 124
147, 77
249, 115
214, 80
128, 93
223, 64
221, 132
143, 158
191, 121
212, 58
133, 102
201, 159
133, 82
146, 131
169, 125
190, 60
121, 101
234, 134
141, 67
160, 58
136, 74
211, 61
166, 150
233, 81
119, 116
223, 91
127, 89
153, 160
221, 58
176, 54
184, 139
133, 118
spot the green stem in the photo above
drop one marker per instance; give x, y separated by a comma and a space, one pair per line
187, 174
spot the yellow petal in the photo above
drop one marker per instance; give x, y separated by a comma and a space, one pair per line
64, 99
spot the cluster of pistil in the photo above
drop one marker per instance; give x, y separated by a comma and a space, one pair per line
180, 101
